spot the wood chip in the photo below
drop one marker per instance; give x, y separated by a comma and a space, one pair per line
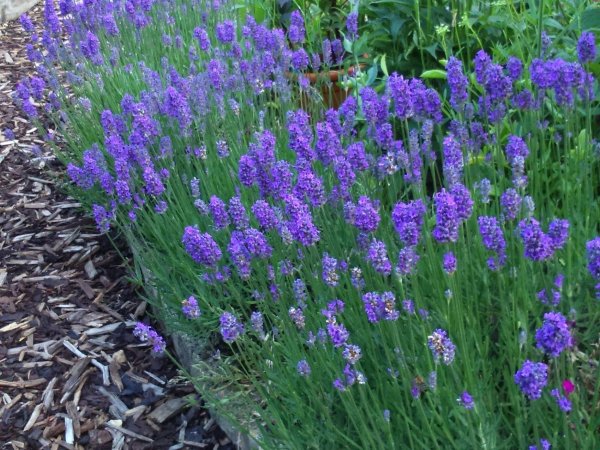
129, 433
168, 409
34, 417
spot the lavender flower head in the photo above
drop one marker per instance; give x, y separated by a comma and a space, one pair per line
190, 308
218, 212
365, 215
441, 346
231, 328
352, 353
447, 220
330, 275
538, 245
466, 401
296, 31
458, 83
493, 240
586, 47
407, 260
532, 378
449, 263
297, 316
303, 368
563, 402
377, 256
554, 335
337, 332
408, 220
201, 246
146, 333
352, 25
510, 200
592, 249
257, 324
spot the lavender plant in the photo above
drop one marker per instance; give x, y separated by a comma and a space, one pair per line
375, 289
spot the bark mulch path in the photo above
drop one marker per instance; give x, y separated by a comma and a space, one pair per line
71, 373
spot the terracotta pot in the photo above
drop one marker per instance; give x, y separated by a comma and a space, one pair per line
333, 94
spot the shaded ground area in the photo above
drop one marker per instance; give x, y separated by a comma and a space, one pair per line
71, 373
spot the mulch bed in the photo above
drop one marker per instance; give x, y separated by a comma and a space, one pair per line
71, 373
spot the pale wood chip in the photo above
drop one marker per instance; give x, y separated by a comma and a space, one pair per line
112, 424
90, 270
168, 409
48, 394
23, 384
114, 400
34, 417
135, 413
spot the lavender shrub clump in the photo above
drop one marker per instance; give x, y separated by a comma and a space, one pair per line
339, 247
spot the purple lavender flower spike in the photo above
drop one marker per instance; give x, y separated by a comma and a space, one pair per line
463, 200
586, 47
441, 346
352, 25
538, 245
558, 232
146, 333
453, 161
407, 260
592, 249
265, 215
337, 333
257, 324
330, 275
218, 212
365, 215
230, 327
563, 402
377, 256
297, 316
447, 220
493, 240
408, 220
303, 368
201, 246
510, 200
554, 336
514, 67
458, 83
26, 23
238, 214
373, 306
296, 31
225, 32
352, 353
190, 308
466, 400
388, 305
449, 263
531, 379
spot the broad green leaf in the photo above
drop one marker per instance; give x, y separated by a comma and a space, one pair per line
590, 18
437, 74
347, 45
383, 65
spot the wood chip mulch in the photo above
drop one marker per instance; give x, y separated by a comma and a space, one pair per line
71, 373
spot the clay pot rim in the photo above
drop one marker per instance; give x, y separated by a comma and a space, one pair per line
333, 74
